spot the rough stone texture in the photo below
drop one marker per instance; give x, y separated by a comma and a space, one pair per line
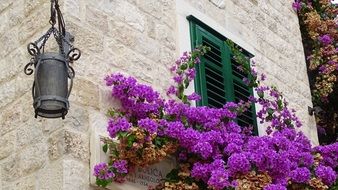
134, 37
64, 142
76, 175
77, 145
51, 176
7, 144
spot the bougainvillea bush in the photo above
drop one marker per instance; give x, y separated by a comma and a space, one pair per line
318, 20
211, 149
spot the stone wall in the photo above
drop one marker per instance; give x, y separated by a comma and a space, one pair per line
136, 37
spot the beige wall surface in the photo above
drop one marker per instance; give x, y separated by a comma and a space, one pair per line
141, 38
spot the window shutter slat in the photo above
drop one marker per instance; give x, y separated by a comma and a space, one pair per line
242, 92
219, 78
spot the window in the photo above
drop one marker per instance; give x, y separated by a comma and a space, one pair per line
218, 80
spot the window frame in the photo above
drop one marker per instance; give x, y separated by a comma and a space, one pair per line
196, 26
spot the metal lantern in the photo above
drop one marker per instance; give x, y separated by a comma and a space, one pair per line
53, 75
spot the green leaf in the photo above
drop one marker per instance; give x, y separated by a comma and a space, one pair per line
280, 104
184, 67
288, 122
169, 117
186, 82
115, 153
173, 175
130, 140
191, 64
184, 120
122, 134
198, 127
105, 148
180, 88
102, 182
203, 185
160, 141
111, 112
161, 112
270, 111
185, 99
260, 94
180, 91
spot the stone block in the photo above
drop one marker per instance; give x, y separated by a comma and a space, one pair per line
9, 42
27, 183
66, 142
247, 6
28, 133
167, 57
56, 145
142, 178
15, 114
75, 175
16, 58
10, 169
33, 158
85, 93
219, 3
35, 24
148, 47
98, 122
5, 25
165, 35
123, 33
25, 107
88, 41
7, 93
15, 13
97, 19
153, 7
77, 145
51, 125
77, 118
4, 5
30, 5
107, 101
130, 14
7, 145
134, 61
73, 8
23, 84
150, 26
50, 177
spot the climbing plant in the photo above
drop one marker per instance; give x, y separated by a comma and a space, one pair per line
211, 149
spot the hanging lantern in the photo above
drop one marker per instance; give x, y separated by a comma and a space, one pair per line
53, 74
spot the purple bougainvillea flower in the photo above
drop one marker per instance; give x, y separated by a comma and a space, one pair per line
297, 5
327, 174
325, 39
121, 166
194, 97
148, 124
118, 125
102, 171
300, 175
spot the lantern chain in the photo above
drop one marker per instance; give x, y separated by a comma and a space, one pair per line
72, 54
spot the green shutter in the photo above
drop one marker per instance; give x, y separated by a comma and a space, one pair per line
212, 76
242, 92
217, 78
